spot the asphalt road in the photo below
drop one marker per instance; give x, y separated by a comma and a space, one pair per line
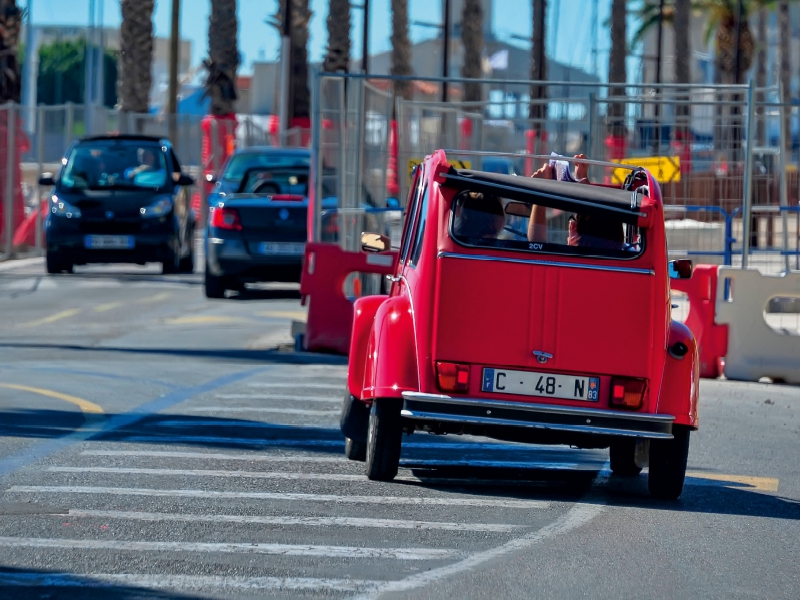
154, 444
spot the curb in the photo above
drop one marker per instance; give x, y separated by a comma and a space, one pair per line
12, 264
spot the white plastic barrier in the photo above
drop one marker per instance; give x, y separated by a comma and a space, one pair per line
755, 350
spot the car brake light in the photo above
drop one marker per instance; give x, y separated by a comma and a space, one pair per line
627, 393
225, 218
452, 377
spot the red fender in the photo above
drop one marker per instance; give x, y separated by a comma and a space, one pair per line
364, 311
680, 383
391, 365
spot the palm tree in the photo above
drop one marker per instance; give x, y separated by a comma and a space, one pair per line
761, 72
337, 56
617, 72
299, 93
401, 48
472, 40
10, 24
135, 55
538, 110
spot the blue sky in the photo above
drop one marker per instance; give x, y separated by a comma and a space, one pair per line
259, 41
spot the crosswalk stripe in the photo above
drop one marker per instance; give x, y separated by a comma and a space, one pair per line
268, 397
230, 547
480, 502
210, 473
286, 520
183, 582
338, 387
263, 409
258, 442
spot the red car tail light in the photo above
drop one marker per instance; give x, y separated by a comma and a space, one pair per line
452, 377
225, 218
627, 393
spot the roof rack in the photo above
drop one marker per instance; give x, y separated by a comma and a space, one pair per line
587, 161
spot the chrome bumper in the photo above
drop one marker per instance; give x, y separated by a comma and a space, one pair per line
448, 409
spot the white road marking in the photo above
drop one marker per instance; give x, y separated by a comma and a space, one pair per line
455, 500
338, 388
268, 397
262, 409
210, 473
207, 439
178, 423
497, 464
182, 582
578, 515
244, 548
217, 456
287, 520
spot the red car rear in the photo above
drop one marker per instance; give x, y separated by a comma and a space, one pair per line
556, 335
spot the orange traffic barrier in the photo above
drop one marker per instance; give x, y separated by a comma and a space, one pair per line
330, 312
712, 339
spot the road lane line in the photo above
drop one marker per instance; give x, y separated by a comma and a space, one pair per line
338, 388
762, 484
480, 502
299, 315
206, 320
179, 424
183, 582
64, 314
266, 397
261, 409
291, 521
26, 456
106, 307
578, 515
156, 298
243, 548
210, 473
84, 405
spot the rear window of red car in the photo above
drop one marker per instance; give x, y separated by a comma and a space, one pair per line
485, 220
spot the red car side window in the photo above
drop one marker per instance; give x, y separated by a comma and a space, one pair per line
411, 210
420, 227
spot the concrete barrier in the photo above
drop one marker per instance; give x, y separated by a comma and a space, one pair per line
755, 349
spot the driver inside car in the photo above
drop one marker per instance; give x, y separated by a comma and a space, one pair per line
479, 215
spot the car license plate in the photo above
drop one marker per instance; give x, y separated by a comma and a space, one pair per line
284, 248
109, 242
548, 385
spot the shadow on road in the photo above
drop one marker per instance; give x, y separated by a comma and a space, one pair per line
24, 584
550, 479
272, 356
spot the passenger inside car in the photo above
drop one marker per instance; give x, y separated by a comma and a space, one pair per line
584, 230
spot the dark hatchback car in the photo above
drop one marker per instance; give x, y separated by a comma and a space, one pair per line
258, 216
120, 199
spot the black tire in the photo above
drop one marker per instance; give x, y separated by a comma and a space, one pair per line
384, 437
354, 418
623, 462
56, 265
355, 450
170, 264
186, 264
214, 286
668, 465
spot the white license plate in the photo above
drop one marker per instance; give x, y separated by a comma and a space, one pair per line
548, 385
284, 248
109, 242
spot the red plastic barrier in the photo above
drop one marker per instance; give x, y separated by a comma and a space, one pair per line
330, 313
712, 339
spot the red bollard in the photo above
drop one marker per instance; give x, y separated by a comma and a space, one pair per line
712, 339
330, 313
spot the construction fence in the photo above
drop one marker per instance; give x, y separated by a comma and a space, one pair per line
696, 139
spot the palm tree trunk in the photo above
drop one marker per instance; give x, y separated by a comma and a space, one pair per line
472, 39
617, 72
223, 57
761, 73
135, 55
538, 110
401, 48
683, 73
11, 23
785, 68
337, 56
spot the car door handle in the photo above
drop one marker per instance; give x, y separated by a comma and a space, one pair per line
392, 278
